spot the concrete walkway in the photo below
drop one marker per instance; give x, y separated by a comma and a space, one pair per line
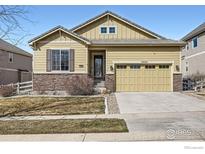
102, 137
91, 116
142, 127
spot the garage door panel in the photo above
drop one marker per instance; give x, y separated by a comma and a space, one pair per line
135, 77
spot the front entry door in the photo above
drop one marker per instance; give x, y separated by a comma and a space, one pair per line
98, 66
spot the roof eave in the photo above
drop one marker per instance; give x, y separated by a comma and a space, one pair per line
197, 31
187, 37
150, 45
32, 41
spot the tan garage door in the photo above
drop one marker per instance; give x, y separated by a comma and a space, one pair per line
142, 77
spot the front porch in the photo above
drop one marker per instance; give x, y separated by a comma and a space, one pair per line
97, 68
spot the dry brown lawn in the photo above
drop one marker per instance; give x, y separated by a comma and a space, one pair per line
25, 106
62, 126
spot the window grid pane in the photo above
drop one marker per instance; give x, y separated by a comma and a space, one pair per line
55, 59
149, 66
103, 29
64, 60
195, 42
60, 60
111, 29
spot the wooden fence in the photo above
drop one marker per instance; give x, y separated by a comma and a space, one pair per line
199, 85
23, 87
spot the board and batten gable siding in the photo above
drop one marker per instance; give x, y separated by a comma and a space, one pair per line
139, 54
124, 31
60, 41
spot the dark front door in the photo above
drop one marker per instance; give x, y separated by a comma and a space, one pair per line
98, 66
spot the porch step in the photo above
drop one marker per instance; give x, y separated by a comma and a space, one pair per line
99, 84
99, 90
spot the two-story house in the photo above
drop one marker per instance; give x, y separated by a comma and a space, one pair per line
193, 54
15, 64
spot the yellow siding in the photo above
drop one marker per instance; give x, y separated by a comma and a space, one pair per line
54, 41
142, 54
124, 31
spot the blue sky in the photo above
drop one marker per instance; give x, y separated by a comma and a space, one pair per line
169, 21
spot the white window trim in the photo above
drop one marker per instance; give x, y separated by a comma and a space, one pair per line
103, 27
11, 55
115, 29
60, 71
192, 41
107, 27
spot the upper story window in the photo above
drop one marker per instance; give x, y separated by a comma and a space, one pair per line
11, 57
195, 42
108, 30
60, 60
103, 30
112, 30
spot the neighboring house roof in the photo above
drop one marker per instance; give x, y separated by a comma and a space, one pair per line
147, 42
56, 29
198, 30
5, 46
119, 18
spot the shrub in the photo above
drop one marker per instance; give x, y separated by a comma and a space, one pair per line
79, 85
6, 90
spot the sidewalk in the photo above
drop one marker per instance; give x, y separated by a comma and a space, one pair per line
91, 116
100, 137
142, 127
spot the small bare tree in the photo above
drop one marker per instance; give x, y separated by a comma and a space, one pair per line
11, 28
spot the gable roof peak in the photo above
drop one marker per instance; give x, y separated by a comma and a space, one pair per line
6, 46
119, 18
198, 30
59, 27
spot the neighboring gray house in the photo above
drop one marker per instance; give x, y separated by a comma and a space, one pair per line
193, 54
15, 64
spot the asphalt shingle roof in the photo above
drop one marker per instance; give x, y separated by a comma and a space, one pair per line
5, 46
147, 42
198, 30
55, 28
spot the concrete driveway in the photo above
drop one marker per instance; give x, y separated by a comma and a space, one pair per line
176, 115
155, 102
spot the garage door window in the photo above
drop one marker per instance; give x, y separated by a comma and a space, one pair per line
163, 66
135, 66
121, 66
149, 66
